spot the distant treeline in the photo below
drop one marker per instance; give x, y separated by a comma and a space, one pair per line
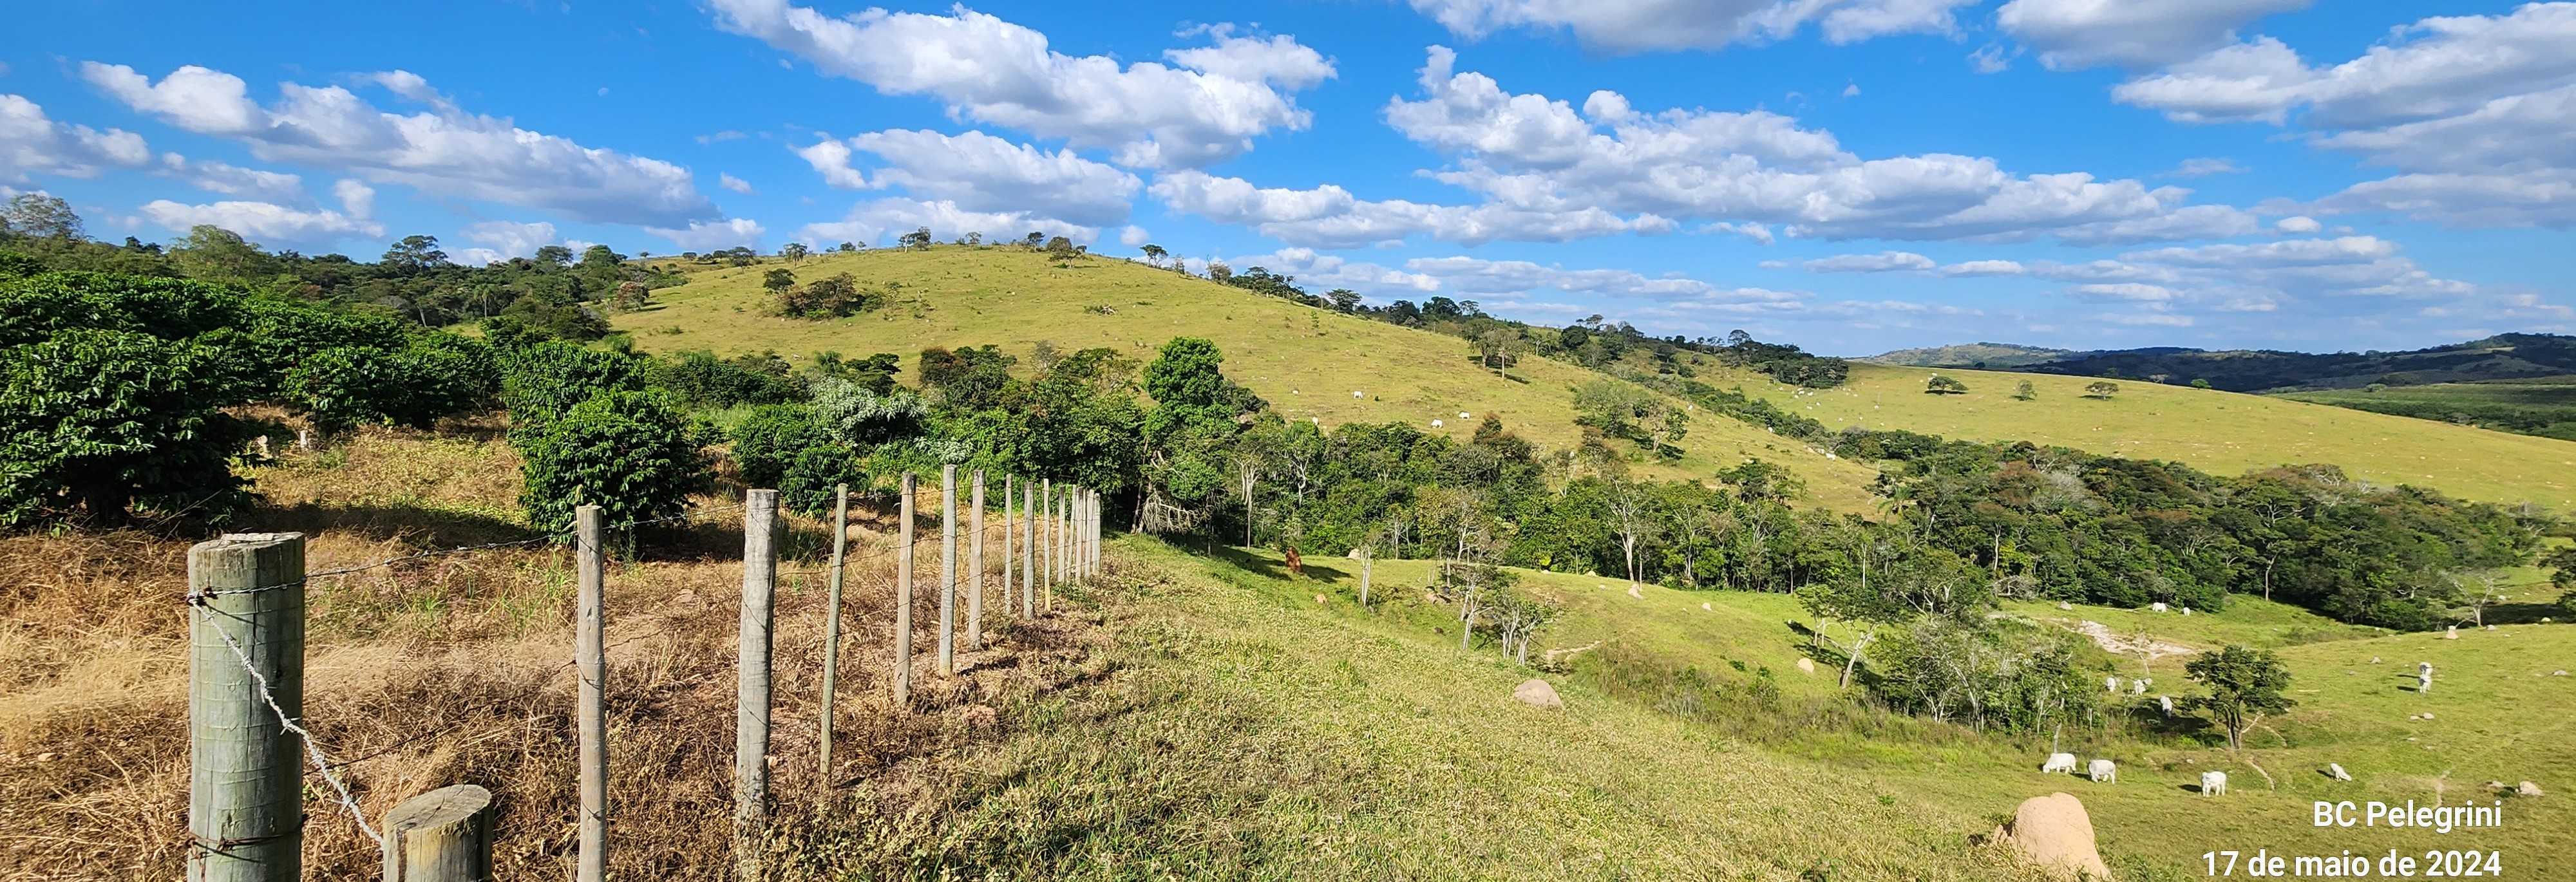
2546, 409
2503, 356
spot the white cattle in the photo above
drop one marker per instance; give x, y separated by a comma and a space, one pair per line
2158, 606
2337, 770
2423, 677
2186, 610
2213, 783
2451, 633
2059, 762
2103, 772
1465, 415
2137, 687
1355, 393
2166, 702
1437, 424
2110, 684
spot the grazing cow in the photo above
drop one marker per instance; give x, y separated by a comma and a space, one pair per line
2213, 783
2059, 762
2186, 610
2451, 633
2110, 684
2137, 687
1437, 424
2158, 606
1296, 565
2336, 769
2423, 677
2103, 772
2166, 702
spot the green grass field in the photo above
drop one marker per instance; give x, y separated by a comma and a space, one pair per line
2498, 714
2544, 406
1305, 361
2220, 432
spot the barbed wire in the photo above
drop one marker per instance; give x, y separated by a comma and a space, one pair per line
311, 749
556, 536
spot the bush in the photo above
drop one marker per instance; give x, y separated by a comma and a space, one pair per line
634, 454
835, 297
703, 380
813, 477
436, 375
765, 443
542, 381
109, 420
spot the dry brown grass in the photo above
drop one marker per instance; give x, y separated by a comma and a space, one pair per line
455, 669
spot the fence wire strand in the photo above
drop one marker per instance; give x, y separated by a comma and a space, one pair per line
322, 764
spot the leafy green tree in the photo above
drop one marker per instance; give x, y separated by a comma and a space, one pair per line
794, 251
1187, 433
2101, 390
415, 254
220, 255
1942, 385
2562, 563
1154, 254
777, 281
634, 454
40, 216
2024, 391
1343, 299
555, 256
107, 421
2244, 685
2200, 384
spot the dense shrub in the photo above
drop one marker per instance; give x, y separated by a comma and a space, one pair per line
634, 454
435, 375
542, 381
836, 297
768, 440
701, 379
107, 420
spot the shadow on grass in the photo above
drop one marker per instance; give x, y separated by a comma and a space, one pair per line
434, 527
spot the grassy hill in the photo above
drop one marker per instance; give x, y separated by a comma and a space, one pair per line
2221, 432
2543, 406
2494, 713
1307, 362
1976, 355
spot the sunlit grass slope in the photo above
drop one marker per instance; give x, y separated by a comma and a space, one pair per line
2221, 432
2497, 712
1305, 361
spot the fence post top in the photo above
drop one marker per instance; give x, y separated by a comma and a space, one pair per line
230, 541
439, 808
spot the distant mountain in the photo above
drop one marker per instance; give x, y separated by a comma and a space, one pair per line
1994, 356
2504, 356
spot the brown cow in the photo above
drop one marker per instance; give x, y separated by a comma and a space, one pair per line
1296, 567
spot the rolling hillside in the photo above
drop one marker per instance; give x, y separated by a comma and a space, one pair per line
1976, 355
1307, 362
2503, 356
2221, 432
2493, 713
2543, 406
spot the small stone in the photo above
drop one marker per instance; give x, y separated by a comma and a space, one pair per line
1633, 592
1806, 666
2558, 673
1321, 600
1536, 693
2428, 715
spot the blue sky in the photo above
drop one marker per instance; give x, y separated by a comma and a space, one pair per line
1850, 175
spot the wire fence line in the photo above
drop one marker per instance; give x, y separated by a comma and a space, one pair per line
1016, 524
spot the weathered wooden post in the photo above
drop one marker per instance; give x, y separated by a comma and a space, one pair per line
245, 782
1046, 503
948, 570
975, 566
903, 602
1368, 556
832, 626
590, 660
1009, 485
751, 679
1029, 550
444, 835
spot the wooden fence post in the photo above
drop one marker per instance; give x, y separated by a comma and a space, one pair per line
1029, 550
832, 626
1046, 549
245, 779
1009, 492
975, 566
948, 569
444, 835
751, 695
903, 602
590, 661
